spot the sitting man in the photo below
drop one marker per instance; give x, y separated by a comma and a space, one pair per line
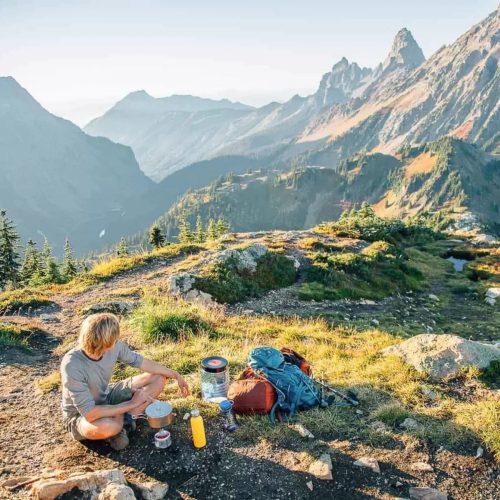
94, 409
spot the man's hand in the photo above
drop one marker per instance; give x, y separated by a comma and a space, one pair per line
183, 386
140, 397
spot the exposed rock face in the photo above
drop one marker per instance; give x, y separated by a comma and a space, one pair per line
338, 85
442, 356
454, 92
245, 260
405, 53
180, 284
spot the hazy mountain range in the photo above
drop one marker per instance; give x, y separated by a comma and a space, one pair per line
59, 181
404, 100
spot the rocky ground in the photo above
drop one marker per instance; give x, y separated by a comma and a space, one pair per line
33, 441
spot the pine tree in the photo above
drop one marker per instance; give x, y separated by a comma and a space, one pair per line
199, 231
156, 237
48, 270
185, 234
222, 227
69, 268
122, 248
31, 264
211, 230
9, 258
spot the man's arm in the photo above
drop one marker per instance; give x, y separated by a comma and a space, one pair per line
155, 368
100, 411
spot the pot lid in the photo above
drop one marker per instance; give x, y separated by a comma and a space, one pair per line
158, 409
214, 364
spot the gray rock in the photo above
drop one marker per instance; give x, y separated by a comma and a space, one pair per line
378, 426
120, 308
116, 491
181, 283
433, 297
49, 318
421, 467
199, 297
153, 490
443, 356
369, 463
427, 494
410, 424
322, 468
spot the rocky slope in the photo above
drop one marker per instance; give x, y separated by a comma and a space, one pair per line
456, 92
58, 181
449, 175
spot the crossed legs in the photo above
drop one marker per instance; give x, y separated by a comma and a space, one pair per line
107, 427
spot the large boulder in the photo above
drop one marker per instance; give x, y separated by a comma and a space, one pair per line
181, 283
443, 356
244, 260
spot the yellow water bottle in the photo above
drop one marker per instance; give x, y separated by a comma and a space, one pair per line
198, 429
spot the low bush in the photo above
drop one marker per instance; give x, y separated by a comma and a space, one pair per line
379, 270
365, 224
227, 285
23, 299
13, 336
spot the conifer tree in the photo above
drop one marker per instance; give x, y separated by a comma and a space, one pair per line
211, 230
122, 248
48, 270
9, 258
222, 226
199, 231
156, 237
31, 264
69, 267
185, 234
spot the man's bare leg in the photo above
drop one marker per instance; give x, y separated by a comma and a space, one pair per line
102, 428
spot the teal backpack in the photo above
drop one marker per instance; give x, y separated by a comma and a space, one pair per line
295, 390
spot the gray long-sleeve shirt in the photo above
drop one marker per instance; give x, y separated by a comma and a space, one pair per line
85, 381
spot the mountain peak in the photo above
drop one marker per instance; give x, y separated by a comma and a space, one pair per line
405, 52
338, 85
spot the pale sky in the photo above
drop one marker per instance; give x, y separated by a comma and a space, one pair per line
78, 57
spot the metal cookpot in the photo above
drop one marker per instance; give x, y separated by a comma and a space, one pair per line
158, 414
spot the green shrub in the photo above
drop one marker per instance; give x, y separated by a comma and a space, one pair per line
373, 274
23, 298
228, 285
158, 324
365, 224
14, 335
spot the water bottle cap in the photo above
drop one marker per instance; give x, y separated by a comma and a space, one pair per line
225, 405
195, 412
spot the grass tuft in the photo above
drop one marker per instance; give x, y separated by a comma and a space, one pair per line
51, 382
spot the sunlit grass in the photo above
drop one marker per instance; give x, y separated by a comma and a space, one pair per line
389, 390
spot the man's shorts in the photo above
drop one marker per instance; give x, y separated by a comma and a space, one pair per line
117, 393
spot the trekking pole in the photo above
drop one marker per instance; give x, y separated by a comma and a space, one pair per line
349, 398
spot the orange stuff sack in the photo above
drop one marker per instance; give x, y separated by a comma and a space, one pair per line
252, 394
295, 358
